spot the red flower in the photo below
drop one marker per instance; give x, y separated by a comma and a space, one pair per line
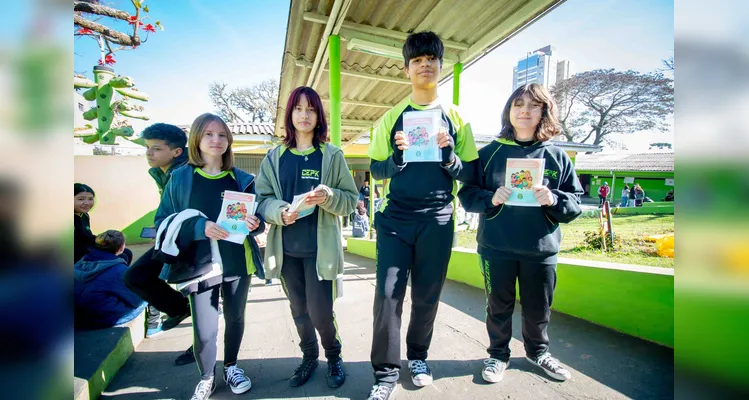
85, 31
109, 59
132, 20
149, 28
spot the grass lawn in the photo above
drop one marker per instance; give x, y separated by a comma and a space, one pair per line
631, 228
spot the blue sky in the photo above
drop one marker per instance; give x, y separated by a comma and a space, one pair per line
241, 42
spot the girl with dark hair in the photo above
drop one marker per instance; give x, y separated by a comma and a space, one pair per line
84, 240
194, 197
520, 244
306, 251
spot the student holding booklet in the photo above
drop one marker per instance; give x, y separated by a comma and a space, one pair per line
523, 188
191, 203
422, 145
304, 186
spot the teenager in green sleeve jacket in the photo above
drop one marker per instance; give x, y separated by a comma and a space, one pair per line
520, 244
306, 252
415, 221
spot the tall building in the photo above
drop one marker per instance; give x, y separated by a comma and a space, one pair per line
540, 66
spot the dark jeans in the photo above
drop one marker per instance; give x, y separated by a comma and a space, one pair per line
142, 278
536, 282
311, 302
420, 249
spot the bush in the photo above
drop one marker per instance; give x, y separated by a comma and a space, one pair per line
593, 240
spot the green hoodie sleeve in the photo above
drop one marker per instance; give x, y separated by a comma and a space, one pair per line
342, 195
270, 207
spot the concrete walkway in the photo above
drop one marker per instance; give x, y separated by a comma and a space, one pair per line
604, 364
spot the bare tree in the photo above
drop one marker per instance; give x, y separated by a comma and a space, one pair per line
88, 17
605, 102
223, 100
669, 64
661, 146
256, 103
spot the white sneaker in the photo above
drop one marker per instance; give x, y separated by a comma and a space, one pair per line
237, 381
551, 366
494, 370
421, 375
204, 389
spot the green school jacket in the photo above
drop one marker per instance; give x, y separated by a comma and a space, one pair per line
342, 198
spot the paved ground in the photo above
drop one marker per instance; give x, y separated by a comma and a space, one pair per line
604, 364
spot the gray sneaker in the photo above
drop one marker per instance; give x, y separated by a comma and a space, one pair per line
381, 392
551, 366
494, 370
205, 389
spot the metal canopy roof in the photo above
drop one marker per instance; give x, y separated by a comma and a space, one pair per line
372, 35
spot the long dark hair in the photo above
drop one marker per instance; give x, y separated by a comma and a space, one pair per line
81, 187
547, 128
321, 129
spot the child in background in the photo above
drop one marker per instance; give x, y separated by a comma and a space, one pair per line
101, 298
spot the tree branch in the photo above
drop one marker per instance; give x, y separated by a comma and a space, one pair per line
112, 35
85, 7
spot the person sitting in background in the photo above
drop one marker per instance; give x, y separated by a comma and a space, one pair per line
84, 199
101, 298
669, 196
361, 223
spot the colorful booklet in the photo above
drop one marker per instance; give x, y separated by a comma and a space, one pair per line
521, 175
421, 128
235, 208
300, 206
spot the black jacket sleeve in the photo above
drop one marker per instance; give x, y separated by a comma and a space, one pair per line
567, 206
385, 169
261, 228
473, 195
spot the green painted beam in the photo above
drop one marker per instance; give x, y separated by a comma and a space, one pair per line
334, 48
457, 70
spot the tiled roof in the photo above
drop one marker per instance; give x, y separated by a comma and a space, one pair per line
655, 162
255, 128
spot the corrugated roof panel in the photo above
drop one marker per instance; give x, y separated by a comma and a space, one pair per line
467, 22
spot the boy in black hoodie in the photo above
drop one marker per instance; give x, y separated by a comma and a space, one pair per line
521, 243
166, 152
415, 222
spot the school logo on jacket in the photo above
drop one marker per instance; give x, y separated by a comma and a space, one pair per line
311, 174
551, 173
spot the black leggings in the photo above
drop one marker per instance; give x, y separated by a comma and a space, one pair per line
204, 306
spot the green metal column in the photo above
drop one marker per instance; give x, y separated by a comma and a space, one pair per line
334, 51
457, 70
372, 190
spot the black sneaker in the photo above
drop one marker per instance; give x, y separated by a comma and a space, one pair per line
185, 358
171, 322
381, 392
551, 366
237, 381
421, 375
336, 375
204, 389
303, 372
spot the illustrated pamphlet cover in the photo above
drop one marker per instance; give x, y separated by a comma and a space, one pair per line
300, 206
235, 208
520, 176
421, 128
